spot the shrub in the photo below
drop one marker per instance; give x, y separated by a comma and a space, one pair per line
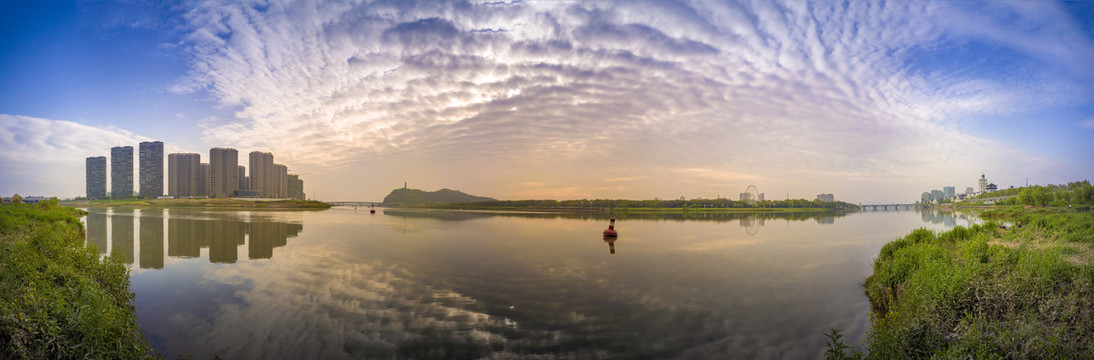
58, 298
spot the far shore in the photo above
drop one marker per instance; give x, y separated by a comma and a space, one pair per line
274, 204
642, 210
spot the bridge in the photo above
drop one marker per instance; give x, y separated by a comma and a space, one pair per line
884, 207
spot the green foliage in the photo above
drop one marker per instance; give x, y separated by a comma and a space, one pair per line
417, 197
16, 199
58, 298
962, 294
649, 204
837, 350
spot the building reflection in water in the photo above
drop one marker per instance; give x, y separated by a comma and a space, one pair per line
187, 234
151, 226
946, 218
96, 231
121, 229
265, 236
224, 238
184, 238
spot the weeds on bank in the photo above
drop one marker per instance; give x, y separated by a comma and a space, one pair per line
58, 298
984, 292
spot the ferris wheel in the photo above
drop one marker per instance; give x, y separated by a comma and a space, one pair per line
753, 194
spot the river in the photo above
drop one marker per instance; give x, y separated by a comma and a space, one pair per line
344, 283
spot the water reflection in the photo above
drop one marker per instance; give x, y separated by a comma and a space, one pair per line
265, 236
184, 238
121, 238
188, 233
752, 224
611, 243
750, 221
946, 218
473, 285
96, 231
151, 240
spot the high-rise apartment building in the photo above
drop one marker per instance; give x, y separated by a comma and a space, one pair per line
948, 192
184, 175
151, 169
296, 187
280, 181
96, 177
261, 164
242, 179
982, 183
121, 172
203, 180
223, 172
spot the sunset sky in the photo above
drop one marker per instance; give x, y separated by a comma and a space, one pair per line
873, 102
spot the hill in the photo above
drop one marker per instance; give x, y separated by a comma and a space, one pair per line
404, 196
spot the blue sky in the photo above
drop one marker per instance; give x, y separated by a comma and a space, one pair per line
871, 101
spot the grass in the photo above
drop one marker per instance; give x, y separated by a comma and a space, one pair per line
985, 291
58, 298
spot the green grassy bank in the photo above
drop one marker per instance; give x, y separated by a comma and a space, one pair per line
985, 292
58, 298
204, 203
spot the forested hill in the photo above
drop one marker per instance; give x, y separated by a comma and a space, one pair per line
404, 196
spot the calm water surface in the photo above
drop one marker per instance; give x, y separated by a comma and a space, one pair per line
343, 283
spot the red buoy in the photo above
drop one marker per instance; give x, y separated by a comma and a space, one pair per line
611, 229
373, 211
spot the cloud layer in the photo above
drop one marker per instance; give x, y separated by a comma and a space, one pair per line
49, 155
636, 99
716, 95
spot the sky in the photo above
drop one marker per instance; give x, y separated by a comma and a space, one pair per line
874, 102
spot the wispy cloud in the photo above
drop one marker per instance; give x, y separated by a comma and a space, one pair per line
523, 92
1088, 123
44, 155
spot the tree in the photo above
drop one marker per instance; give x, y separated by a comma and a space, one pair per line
16, 199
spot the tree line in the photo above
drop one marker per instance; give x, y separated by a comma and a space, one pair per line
1076, 192
622, 203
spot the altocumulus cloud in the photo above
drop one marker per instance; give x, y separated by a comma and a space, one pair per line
48, 155
531, 94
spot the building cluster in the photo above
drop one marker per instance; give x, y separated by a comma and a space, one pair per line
188, 177
949, 192
826, 197
746, 196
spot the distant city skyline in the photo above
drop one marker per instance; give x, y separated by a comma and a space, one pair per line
186, 175
871, 102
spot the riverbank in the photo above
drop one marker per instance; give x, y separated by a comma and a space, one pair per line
621, 210
58, 297
205, 203
987, 291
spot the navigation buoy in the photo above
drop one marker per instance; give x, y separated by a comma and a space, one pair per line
611, 229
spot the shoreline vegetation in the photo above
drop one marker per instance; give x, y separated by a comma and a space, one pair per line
211, 203
448, 199
59, 299
1019, 285
643, 206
